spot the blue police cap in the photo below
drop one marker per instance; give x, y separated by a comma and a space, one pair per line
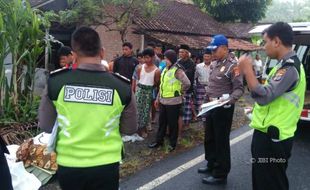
218, 40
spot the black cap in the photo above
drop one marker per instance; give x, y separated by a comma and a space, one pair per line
64, 51
184, 46
171, 55
207, 51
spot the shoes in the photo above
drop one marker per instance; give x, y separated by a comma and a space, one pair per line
214, 181
205, 170
155, 145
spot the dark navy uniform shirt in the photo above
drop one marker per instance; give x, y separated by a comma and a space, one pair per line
225, 78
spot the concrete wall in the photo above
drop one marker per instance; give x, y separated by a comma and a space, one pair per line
112, 42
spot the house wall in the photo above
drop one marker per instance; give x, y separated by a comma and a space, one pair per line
112, 42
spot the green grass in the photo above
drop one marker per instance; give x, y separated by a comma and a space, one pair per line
186, 142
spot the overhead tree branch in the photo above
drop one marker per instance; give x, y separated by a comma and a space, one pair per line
116, 15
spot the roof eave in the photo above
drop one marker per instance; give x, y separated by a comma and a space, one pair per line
142, 29
42, 4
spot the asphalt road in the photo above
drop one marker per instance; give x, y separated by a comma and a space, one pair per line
239, 177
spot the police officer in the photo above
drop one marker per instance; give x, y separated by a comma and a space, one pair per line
279, 103
173, 84
91, 107
224, 79
5, 176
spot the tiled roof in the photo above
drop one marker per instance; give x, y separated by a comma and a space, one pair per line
198, 41
240, 29
183, 18
48, 5
34, 3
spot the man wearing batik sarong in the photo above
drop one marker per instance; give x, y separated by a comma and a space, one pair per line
201, 80
149, 77
189, 67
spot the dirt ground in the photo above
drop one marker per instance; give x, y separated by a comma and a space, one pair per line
138, 156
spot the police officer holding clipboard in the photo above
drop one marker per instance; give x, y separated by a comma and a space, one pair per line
224, 79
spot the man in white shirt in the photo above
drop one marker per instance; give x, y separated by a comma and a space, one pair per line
258, 65
201, 79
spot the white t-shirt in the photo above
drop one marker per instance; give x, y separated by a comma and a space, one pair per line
105, 64
258, 64
147, 78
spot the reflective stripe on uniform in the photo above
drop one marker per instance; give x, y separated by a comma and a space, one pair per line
292, 97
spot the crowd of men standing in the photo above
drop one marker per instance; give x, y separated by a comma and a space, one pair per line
130, 66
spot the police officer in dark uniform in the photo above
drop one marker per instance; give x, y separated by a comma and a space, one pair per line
224, 79
279, 103
91, 107
5, 176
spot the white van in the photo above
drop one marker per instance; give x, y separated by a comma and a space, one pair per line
302, 49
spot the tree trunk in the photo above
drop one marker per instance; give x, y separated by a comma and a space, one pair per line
123, 36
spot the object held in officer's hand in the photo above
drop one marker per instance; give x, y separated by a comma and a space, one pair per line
204, 108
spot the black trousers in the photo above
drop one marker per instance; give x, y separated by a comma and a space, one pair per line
104, 177
269, 162
217, 147
168, 116
5, 176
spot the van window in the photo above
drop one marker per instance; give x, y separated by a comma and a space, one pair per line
306, 63
301, 52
